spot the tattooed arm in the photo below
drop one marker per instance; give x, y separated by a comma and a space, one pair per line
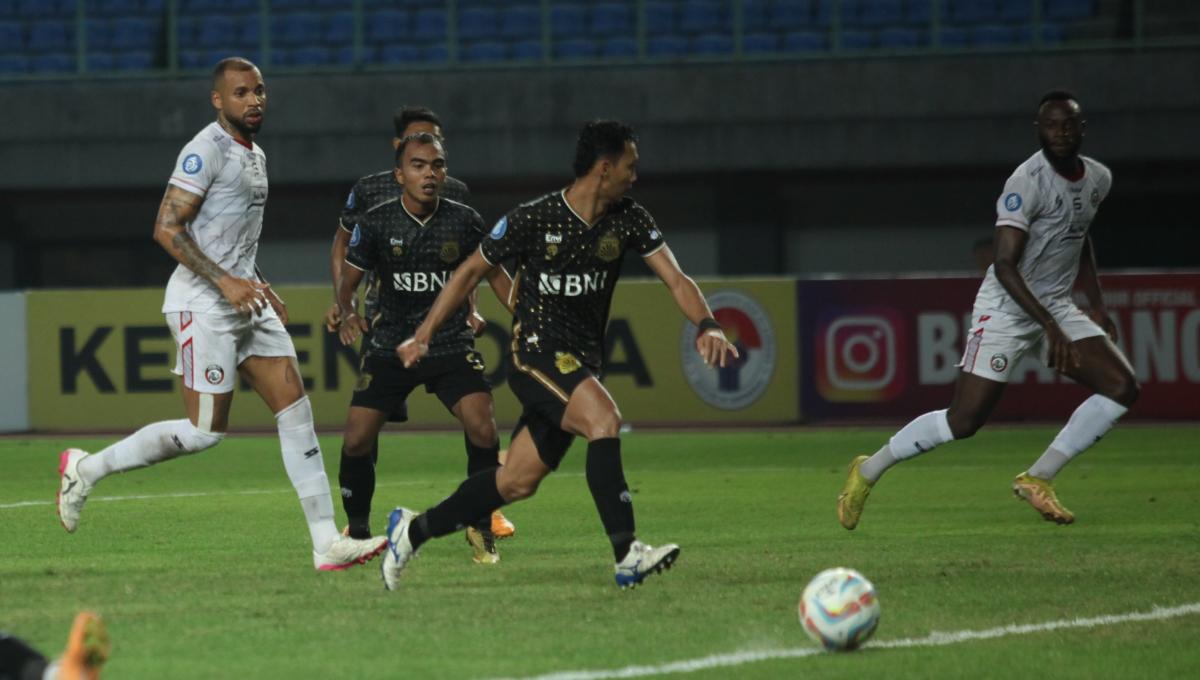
175, 213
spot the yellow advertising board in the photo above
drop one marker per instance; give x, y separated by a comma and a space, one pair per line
101, 360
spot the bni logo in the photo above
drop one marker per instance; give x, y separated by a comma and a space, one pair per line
858, 355
743, 380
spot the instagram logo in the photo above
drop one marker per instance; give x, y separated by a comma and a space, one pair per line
858, 356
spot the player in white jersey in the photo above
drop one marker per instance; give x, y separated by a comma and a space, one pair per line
226, 321
1024, 304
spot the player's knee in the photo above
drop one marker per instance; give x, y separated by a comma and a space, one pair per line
1127, 390
191, 439
604, 425
519, 487
482, 433
963, 426
357, 446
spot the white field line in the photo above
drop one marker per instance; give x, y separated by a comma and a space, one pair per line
934, 639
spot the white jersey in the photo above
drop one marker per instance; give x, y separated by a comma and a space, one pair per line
1056, 212
233, 181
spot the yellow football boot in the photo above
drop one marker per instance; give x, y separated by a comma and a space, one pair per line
854, 494
1038, 493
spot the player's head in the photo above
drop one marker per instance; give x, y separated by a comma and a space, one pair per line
239, 94
421, 166
607, 150
1060, 125
410, 120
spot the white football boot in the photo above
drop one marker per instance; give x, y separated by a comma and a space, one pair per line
345, 552
644, 560
399, 548
73, 490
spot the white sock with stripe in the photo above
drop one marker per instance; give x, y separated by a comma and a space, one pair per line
152, 444
1091, 421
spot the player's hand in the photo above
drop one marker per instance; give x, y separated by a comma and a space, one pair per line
350, 327
277, 304
1102, 318
245, 295
333, 318
1062, 354
714, 348
476, 322
411, 351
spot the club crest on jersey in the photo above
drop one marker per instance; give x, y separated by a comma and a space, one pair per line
364, 381
1012, 202
397, 245
500, 228
214, 374
566, 362
192, 164
609, 247
1095, 197
998, 362
551, 251
449, 251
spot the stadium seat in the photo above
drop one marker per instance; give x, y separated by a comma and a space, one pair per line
619, 48
917, 12
99, 37
568, 21
527, 50
969, 12
664, 46
296, 29
13, 63
52, 63
805, 41
876, 13
430, 24
756, 15
521, 22
49, 36
134, 33
760, 43
435, 53
857, 40
312, 56
192, 59
111, 8
249, 31
660, 18
1067, 10
1052, 34
385, 26
993, 36
475, 23
578, 48
899, 37
216, 31
789, 15
45, 9
823, 13
711, 44
1012, 11
12, 36
338, 29
611, 19
699, 16
400, 54
137, 60
485, 51
954, 37
100, 61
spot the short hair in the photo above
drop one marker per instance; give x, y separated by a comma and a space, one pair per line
230, 64
407, 115
419, 138
1057, 96
601, 139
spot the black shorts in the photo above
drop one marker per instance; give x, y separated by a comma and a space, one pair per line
543, 383
399, 414
384, 383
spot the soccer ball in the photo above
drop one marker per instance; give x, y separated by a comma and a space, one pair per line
838, 609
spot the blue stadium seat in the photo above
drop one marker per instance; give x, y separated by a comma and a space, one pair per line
1052, 34
527, 50
917, 12
99, 37
338, 29
857, 40
192, 59
485, 51
805, 41
954, 37
568, 21
703, 16
1068, 10
664, 46
216, 31
711, 44
385, 26
430, 24
969, 12
760, 43
1012, 11
137, 60
577, 48
133, 33
619, 48
111, 8
989, 35
875, 13
756, 15
45, 9
13, 63
789, 15
50, 36
611, 19
249, 31
400, 54
823, 13
435, 53
295, 29
660, 17
52, 63
900, 38
476, 22
521, 22
185, 31
235, 6
312, 56
12, 36
100, 61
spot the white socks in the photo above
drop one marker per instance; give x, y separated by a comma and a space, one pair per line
152, 444
306, 469
1091, 421
921, 435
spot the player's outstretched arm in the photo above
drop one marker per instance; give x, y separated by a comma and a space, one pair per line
337, 255
1089, 278
1010, 245
464, 280
712, 345
350, 325
177, 210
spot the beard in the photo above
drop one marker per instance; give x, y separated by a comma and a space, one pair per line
246, 128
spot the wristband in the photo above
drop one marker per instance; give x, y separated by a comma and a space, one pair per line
710, 324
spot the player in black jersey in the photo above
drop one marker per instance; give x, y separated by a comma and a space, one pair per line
413, 243
569, 245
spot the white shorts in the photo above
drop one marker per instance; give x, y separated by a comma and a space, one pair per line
997, 341
209, 347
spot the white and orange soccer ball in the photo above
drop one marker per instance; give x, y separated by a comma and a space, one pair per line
839, 609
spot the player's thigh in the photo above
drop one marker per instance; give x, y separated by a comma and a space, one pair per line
209, 412
362, 428
1104, 370
276, 379
972, 404
591, 412
206, 362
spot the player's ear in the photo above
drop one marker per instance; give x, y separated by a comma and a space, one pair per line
215, 98
395, 143
399, 174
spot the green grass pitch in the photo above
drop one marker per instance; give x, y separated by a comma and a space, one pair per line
202, 566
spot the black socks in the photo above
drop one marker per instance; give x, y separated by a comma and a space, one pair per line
476, 497
356, 475
606, 480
